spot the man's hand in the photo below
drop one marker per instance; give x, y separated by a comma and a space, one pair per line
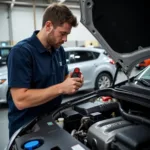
71, 85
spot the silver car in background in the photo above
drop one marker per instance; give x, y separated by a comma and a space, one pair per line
3, 84
97, 68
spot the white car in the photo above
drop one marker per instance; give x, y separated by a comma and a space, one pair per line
3, 84
97, 68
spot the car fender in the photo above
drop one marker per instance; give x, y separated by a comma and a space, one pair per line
104, 68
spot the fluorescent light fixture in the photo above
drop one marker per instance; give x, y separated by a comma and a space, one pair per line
61, 1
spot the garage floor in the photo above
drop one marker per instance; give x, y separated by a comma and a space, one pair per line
3, 127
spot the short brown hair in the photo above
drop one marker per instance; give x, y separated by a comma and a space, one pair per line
59, 14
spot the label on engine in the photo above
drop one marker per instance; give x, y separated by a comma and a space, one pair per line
77, 147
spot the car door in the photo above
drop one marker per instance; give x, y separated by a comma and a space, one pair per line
85, 61
4, 52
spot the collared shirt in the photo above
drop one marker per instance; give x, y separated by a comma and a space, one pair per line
32, 66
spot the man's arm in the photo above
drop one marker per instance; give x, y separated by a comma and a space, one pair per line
26, 98
22, 95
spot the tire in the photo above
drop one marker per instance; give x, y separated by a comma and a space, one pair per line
139, 68
103, 80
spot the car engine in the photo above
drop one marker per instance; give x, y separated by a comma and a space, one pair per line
100, 126
92, 122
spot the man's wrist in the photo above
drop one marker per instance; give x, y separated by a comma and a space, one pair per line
60, 89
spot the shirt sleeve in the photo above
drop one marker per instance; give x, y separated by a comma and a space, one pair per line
19, 67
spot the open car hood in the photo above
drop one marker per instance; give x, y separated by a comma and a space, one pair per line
121, 27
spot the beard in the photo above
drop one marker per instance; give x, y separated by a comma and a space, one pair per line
51, 40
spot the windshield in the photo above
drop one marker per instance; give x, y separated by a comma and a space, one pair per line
145, 74
144, 77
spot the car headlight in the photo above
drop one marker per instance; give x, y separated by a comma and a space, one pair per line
2, 81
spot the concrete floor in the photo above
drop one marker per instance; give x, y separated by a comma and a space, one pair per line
3, 127
4, 111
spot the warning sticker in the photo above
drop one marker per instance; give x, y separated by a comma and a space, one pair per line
49, 123
77, 147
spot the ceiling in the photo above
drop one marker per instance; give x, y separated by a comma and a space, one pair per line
74, 4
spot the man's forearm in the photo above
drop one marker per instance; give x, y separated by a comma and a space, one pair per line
26, 98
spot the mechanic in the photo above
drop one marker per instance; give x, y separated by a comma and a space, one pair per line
37, 70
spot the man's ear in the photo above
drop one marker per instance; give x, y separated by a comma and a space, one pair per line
49, 26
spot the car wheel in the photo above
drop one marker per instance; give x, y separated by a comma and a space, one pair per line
103, 80
138, 67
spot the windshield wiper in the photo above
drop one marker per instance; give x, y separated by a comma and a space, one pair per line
143, 81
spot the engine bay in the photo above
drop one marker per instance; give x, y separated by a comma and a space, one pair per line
101, 126
92, 122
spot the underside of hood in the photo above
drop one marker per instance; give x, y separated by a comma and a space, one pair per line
121, 27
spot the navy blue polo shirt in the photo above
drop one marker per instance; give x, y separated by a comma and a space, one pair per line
32, 66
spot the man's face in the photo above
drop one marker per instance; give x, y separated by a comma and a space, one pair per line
59, 35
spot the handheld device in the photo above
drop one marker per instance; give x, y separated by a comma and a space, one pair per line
76, 73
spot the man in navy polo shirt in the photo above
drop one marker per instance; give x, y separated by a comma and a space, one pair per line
37, 69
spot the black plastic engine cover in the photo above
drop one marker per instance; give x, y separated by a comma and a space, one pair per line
134, 138
101, 134
92, 107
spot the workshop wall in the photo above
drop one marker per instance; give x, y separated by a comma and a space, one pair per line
23, 24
